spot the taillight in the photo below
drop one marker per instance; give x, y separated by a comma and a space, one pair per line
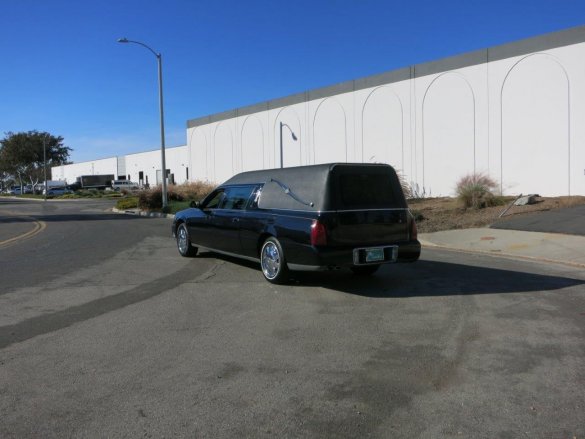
318, 233
413, 230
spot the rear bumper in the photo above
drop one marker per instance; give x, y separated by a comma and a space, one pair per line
309, 258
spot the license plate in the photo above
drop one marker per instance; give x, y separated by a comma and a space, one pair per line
374, 254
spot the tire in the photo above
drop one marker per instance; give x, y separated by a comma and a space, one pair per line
365, 270
273, 262
186, 249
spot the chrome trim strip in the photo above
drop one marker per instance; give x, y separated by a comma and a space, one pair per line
233, 255
366, 210
302, 267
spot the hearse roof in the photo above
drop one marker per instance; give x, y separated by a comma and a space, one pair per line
299, 187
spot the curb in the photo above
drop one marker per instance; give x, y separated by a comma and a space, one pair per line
499, 254
144, 213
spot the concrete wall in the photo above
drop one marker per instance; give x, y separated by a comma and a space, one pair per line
514, 112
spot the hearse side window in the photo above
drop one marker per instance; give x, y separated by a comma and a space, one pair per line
366, 190
237, 197
215, 200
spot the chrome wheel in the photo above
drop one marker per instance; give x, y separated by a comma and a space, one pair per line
272, 261
183, 242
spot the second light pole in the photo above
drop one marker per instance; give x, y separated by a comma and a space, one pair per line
162, 119
281, 149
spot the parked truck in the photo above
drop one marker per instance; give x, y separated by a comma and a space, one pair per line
94, 181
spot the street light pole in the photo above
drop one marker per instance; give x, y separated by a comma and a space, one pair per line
162, 121
281, 149
45, 163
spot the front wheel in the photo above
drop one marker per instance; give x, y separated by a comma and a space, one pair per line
184, 242
365, 270
273, 262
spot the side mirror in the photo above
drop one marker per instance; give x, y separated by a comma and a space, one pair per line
195, 204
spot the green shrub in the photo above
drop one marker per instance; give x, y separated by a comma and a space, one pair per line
477, 191
151, 199
127, 203
89, 193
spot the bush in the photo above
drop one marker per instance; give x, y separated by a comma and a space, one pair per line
477, 191
127, 203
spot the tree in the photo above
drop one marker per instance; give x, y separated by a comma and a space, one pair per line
21, 155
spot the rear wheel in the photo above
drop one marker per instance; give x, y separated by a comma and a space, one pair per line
184, 242
273, 262
365, 270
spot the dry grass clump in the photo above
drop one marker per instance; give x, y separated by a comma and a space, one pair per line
476, 191
151, 199
406, 188
194, 190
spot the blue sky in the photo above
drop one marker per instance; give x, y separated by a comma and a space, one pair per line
63, 71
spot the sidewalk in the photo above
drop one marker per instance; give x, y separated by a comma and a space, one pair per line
547, 247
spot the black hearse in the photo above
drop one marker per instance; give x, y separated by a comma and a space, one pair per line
319, 217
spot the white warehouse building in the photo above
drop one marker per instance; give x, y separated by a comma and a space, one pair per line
143, 167
515, 112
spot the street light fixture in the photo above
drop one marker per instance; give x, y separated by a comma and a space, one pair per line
162, 122
293, 137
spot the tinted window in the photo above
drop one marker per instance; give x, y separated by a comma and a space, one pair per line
237, 197
367, 190
214, 200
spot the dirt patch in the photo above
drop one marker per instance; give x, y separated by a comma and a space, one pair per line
435, 214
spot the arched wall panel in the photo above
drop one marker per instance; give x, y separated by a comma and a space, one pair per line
252, 139
448, 142
201, 162
535, 135
330, 133
382, 128
223, 157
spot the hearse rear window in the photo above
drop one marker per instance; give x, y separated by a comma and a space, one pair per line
366, 191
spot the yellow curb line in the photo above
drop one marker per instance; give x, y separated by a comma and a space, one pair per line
502, 254
38, 228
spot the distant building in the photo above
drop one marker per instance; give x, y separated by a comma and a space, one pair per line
143, 167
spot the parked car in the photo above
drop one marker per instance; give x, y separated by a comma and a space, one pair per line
57, 191
118, 185
316, 217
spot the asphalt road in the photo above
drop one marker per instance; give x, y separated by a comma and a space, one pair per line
106, 332
570, 220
